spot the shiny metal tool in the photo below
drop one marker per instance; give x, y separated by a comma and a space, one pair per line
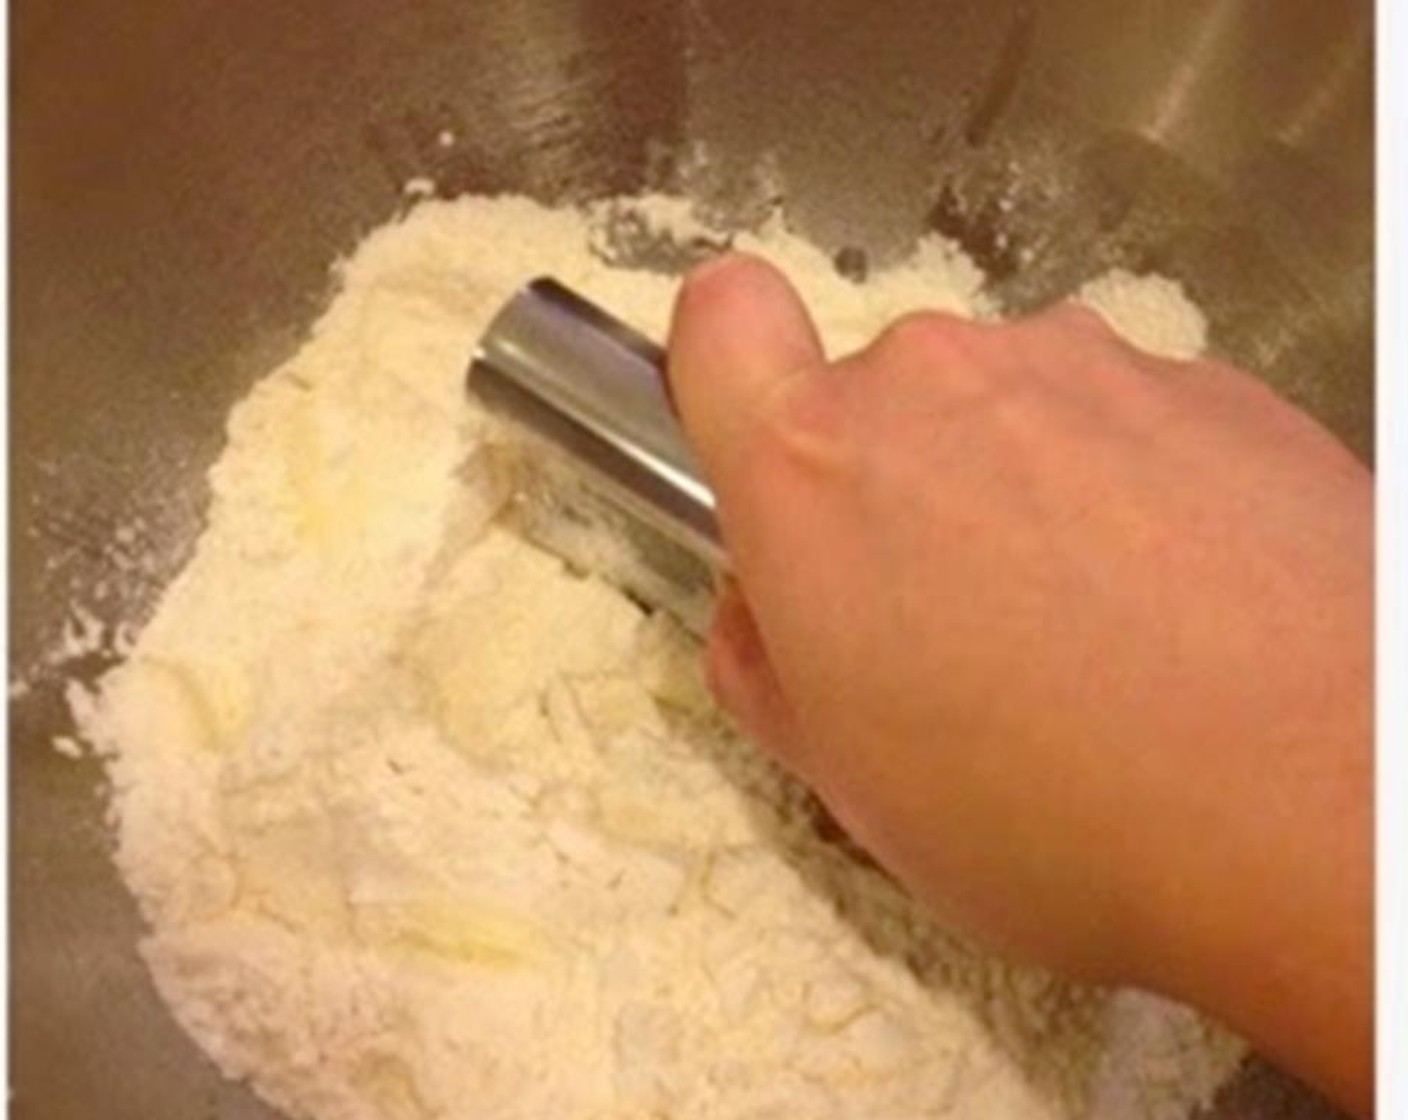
605, 478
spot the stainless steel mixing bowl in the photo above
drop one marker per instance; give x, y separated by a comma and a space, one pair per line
185, 170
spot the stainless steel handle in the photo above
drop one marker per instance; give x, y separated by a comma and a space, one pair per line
596, 389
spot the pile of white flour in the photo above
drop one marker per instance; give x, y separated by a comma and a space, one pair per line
425, 825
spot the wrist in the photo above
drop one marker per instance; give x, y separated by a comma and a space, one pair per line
1261, 917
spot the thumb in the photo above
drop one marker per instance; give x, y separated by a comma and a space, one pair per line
739, 330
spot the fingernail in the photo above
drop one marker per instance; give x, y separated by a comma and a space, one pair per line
718, 263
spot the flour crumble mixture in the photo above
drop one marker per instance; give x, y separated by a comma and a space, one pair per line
423, 824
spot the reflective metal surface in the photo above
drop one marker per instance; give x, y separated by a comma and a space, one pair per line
185, 170
590, 393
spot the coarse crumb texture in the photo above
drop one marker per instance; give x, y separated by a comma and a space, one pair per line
425, 825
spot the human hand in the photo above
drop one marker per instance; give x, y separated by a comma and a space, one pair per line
1075, 640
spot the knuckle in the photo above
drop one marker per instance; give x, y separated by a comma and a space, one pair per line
1081, 317
1068, 327
941, 353
925, 332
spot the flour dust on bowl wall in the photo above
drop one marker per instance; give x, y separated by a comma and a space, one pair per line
424, 824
